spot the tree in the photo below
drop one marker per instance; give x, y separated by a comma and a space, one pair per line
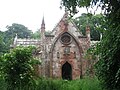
3, 48
8, 36
17, 67
95, 22
108, 66
36, 35
19, 29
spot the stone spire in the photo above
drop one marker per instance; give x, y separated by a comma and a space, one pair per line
43, 24
43, 30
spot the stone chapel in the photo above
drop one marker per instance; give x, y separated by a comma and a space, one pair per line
62, 51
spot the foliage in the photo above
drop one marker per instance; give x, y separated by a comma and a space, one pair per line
19, 29
96, 23
36, 35
83, 84
2, 44
108, 66
111, 7
49, 84
17, 67
91, 58
6, 38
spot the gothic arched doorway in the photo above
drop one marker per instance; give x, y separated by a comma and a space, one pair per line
67, 71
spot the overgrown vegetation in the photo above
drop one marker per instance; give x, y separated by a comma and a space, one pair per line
17, 73
108, 66
17, 68
50, 84
96, 23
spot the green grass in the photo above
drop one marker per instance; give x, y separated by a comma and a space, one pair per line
53, 84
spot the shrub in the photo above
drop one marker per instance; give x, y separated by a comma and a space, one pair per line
17, 68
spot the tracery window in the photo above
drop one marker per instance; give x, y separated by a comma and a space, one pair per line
66, 39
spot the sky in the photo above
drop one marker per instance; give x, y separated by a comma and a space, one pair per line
30, 13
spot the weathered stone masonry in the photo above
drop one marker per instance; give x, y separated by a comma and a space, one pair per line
62, 51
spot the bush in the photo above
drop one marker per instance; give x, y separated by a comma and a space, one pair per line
17, 68
108, 66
